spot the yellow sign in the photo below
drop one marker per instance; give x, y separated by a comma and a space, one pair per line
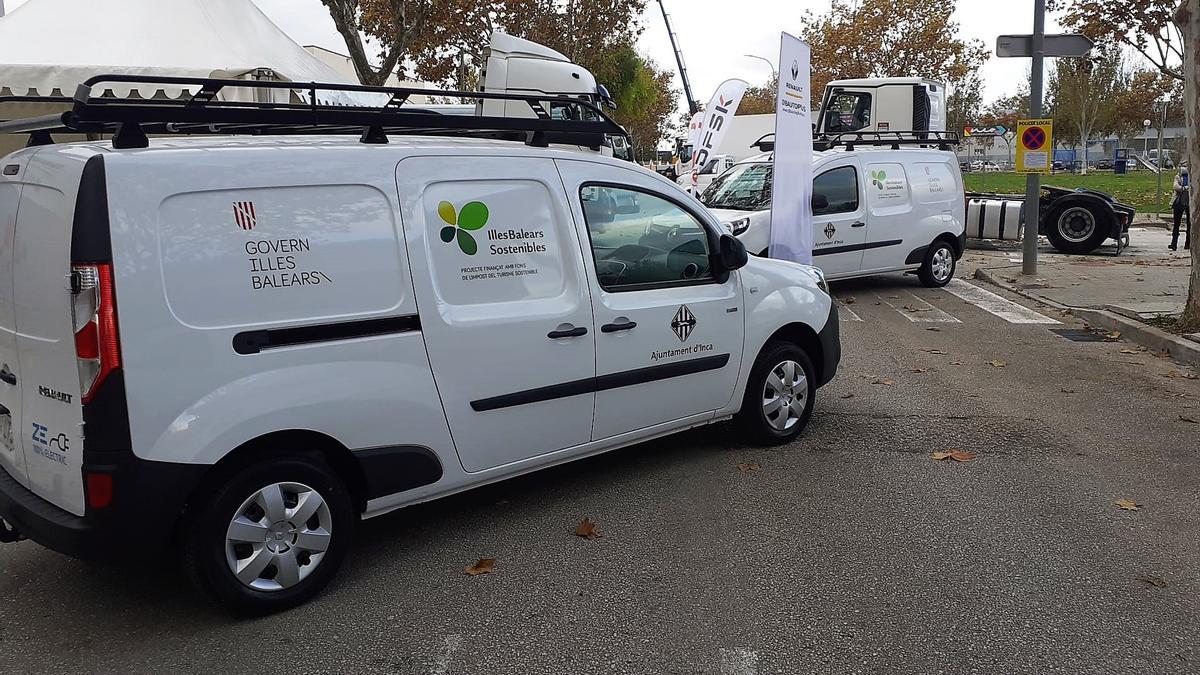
1035, 146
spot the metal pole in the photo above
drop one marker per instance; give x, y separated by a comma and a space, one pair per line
1160, 163
1033, 182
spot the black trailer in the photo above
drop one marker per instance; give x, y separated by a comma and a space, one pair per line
1076, 221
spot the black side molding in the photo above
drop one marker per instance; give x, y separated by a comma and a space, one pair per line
254, 341
590, 385
398, 468
850, 248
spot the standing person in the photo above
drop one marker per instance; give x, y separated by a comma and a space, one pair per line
1182, 206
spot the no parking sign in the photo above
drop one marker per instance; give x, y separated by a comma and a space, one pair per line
1035, 145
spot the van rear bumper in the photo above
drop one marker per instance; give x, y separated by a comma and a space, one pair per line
148, 499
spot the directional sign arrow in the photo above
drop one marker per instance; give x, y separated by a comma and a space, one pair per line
1067, 45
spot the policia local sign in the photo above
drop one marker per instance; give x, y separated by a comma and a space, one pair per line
1035, 145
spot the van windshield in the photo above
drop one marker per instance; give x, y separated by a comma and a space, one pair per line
745, 187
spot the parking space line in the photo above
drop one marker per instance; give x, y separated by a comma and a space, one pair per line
739, 662
847, 314
994, 304
919, 311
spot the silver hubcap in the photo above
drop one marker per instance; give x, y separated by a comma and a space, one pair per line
943, 264
1076, 224
785, 395
278, 536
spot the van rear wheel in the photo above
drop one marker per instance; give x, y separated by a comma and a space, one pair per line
779, 396
272, 536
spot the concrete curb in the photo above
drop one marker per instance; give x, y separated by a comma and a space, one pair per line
1148, 336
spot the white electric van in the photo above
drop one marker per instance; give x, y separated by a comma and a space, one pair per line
876, 209
239, 346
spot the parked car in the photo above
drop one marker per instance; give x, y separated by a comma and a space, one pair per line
240, 346
875, 210
1104, 165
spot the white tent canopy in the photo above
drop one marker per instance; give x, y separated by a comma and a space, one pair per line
48, 47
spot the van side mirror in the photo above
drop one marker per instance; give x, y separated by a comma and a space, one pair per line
819, 202
733, 253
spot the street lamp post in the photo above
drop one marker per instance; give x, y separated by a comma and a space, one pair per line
774, 73
1146, 124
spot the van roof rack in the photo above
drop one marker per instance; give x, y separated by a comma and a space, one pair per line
198, 111
944, 140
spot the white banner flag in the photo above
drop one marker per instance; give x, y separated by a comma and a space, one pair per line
717, 116
791, 186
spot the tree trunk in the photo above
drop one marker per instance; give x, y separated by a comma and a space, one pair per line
1188, 20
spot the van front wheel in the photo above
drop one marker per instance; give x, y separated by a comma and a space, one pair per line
939, 265
272, 536
779, 395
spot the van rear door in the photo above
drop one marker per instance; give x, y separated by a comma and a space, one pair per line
12, 458
51, 430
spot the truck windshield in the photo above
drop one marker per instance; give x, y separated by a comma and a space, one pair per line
745, 187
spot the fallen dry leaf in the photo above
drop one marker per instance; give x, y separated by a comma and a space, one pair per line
587, 529
909, 308
1176, 373
847, 395
1068, 391
957, 363
1153, 581
1162, 354
482, 566
747, 468
1127, 504
935, 330
887, 381
956, 455
850, 300
1133, 351
1115, 335
1189, 420
919, 370
998, 363
933, 351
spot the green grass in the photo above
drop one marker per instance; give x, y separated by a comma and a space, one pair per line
1138, 188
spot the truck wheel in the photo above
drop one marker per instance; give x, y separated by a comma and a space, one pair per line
271, 537
1075, 229
779, 395
940, 263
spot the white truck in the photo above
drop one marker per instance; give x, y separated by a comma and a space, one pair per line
237, 345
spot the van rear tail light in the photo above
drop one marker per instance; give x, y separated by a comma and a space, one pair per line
94, 313
99, 490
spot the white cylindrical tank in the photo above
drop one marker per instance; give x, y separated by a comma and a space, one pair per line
995, 219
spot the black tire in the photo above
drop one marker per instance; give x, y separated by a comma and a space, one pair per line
1061, 220
205, 546
753, 421
940, 254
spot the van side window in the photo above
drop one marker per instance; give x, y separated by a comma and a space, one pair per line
641, 241
848, 111
840, 188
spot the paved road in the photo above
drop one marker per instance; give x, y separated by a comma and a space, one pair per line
850, 550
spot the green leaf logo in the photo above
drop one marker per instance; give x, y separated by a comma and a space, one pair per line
877, 178
461, 223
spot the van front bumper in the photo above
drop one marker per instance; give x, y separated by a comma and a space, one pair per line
148, 499
831, 346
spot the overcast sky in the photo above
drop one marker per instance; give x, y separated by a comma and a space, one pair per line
715, 34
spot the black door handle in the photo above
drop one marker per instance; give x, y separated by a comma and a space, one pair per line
7, 376
615, 327
574, 332
858, 224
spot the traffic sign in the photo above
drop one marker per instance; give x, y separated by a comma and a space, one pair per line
1067, 45
1035, 143
972, 132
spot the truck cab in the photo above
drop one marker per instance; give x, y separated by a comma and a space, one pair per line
883, 104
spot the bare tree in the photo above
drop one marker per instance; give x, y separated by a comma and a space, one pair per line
1187, 20
397, 23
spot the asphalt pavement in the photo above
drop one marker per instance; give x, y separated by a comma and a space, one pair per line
850, 550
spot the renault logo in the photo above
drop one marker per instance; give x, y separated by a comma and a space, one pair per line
684, 323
